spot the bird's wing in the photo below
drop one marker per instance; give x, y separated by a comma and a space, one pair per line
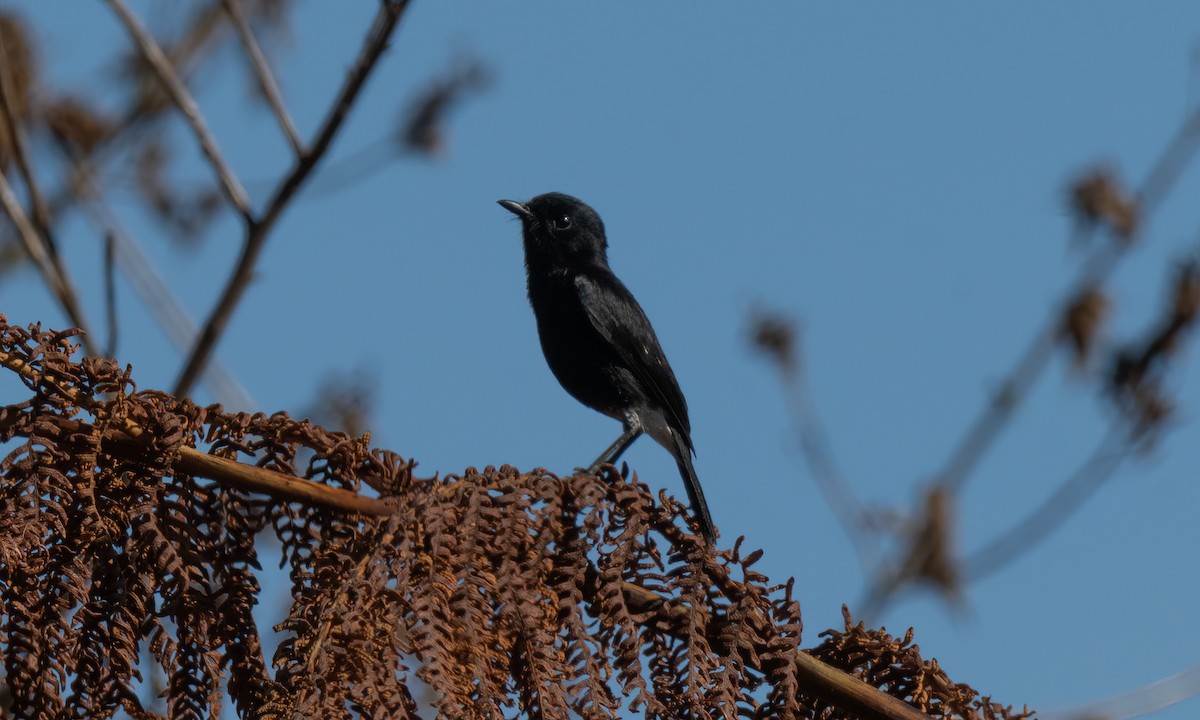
616, 315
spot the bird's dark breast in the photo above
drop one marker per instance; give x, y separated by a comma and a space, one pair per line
580, 358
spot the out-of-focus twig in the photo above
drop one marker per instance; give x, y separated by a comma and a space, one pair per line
1097, 200
126, 253
171, 317
1142, 412
110, 293
776, 337
59, 284
262, 71
931, 557
1012, 390
1180, 150
187, 105
1035, 527
373, 46
1175, 157
1149, 698
18, 146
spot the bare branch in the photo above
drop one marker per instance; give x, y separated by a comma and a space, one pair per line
187, 105
375, 43
262, 71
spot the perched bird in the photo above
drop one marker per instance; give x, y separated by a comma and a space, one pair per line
596, 338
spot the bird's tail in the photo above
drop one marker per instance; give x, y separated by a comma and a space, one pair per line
683, 457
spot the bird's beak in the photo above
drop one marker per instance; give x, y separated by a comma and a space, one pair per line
519, 209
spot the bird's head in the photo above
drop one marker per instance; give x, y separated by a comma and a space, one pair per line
560, 230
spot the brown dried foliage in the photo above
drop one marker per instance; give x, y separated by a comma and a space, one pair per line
1137, 376
503, 592
1082, 322
17, 66
423, 128
1098, 198
886, 661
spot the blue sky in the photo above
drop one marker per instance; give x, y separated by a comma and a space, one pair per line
893, 175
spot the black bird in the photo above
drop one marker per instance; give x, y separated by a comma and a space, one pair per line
596, 338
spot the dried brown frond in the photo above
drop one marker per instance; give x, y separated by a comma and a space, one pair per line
1098, 198
423, 127
886, 661
930, 554
504, 592
1136, 380
1186, 295
775, 336
1082, 322
76, 125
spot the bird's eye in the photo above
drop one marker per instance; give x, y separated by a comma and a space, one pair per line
562, 223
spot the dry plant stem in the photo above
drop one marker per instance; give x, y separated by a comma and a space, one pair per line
277, 484
32, 242
187, 105
223, 470
258, 230
1175, 157
262, 71
831, 685
110, 294
1180, 150
1000, 408
1016, 386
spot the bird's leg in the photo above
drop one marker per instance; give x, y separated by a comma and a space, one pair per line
614, 451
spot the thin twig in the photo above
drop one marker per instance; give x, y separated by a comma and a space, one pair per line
981, 435
1179, 151
40, 242
1013, 389
815, 445
1149, 698
262, 71
58, 284
1035, 527
148, 284
1175, 157
187, 105
110, 293
373, 46
16, 129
